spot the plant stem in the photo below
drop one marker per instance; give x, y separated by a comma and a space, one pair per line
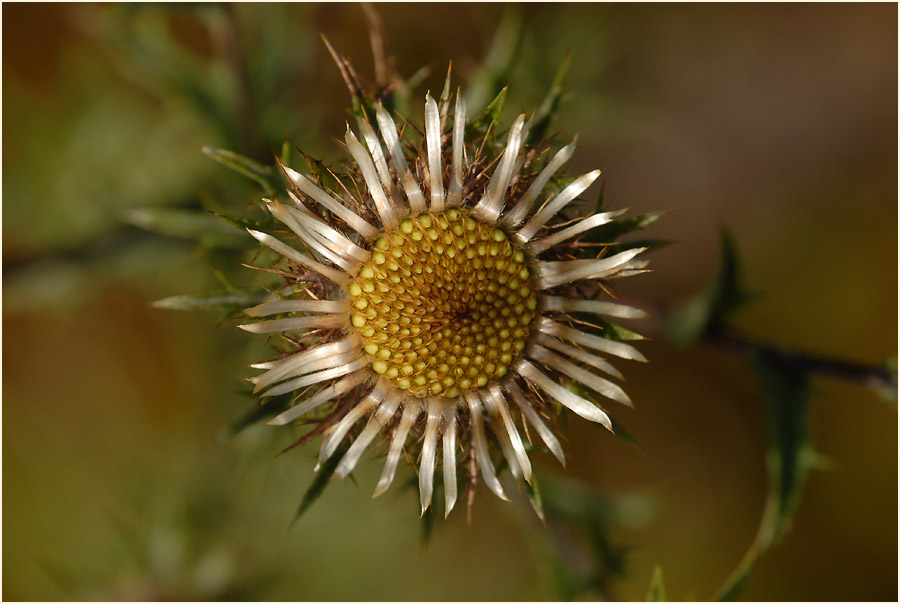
877, 378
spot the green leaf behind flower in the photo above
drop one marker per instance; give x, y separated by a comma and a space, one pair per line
194, 225
491, 115
266, 410
609, 233
243, 223
533, 490
496, 69
657, 590
265, 176
784, 392
709, 309
550, 106
228, 301
323, 477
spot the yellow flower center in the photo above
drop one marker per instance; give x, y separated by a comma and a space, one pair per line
443, 305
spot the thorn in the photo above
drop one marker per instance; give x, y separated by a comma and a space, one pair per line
350, 79
381, 53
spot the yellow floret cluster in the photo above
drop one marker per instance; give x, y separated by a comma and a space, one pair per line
443, 305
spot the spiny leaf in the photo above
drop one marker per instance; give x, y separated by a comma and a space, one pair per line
347, 72
317, 167
222, 278
260, 412
613, 331
264, 176
623, 434
364, 106
149, 57
207, 302
605, 329
557, 183
708, 309
618, 228
550, 106
600, 197
285, 156
491, 114
586, 393
427, 524
657, 591
497, 66
427, 519
534, 497
326, 470
186, 224
622, 246
887, 393
381, 52
785, 393
585, 511
444, 101
241, 222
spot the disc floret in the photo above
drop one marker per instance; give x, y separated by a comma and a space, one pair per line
444, 304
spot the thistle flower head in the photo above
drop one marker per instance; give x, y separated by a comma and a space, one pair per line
433, 298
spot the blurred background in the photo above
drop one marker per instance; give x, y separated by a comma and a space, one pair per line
778, 121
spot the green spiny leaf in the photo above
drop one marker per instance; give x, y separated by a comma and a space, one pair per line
600, 197
585, 511
229, 301
598, 326
147, 54
317, 167
222, 278
614, 331
260, 412
427, 524
364, 107
186, 224
651, 244
657, 591
888, 393
618, 429
623, 434
497, 66
491, 114
241, 222
285, 156
444, 101
264, 176
613, 231
550, 106
785, 393
534, 497
708, 309
326, 470
558, 183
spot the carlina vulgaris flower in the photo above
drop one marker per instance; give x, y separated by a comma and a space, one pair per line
433, 309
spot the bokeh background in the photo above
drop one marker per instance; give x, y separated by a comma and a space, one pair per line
778, 121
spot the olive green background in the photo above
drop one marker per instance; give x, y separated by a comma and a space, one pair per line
778, 121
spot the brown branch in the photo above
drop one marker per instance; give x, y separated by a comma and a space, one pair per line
877, 378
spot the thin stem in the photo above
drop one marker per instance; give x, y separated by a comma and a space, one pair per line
877, 378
